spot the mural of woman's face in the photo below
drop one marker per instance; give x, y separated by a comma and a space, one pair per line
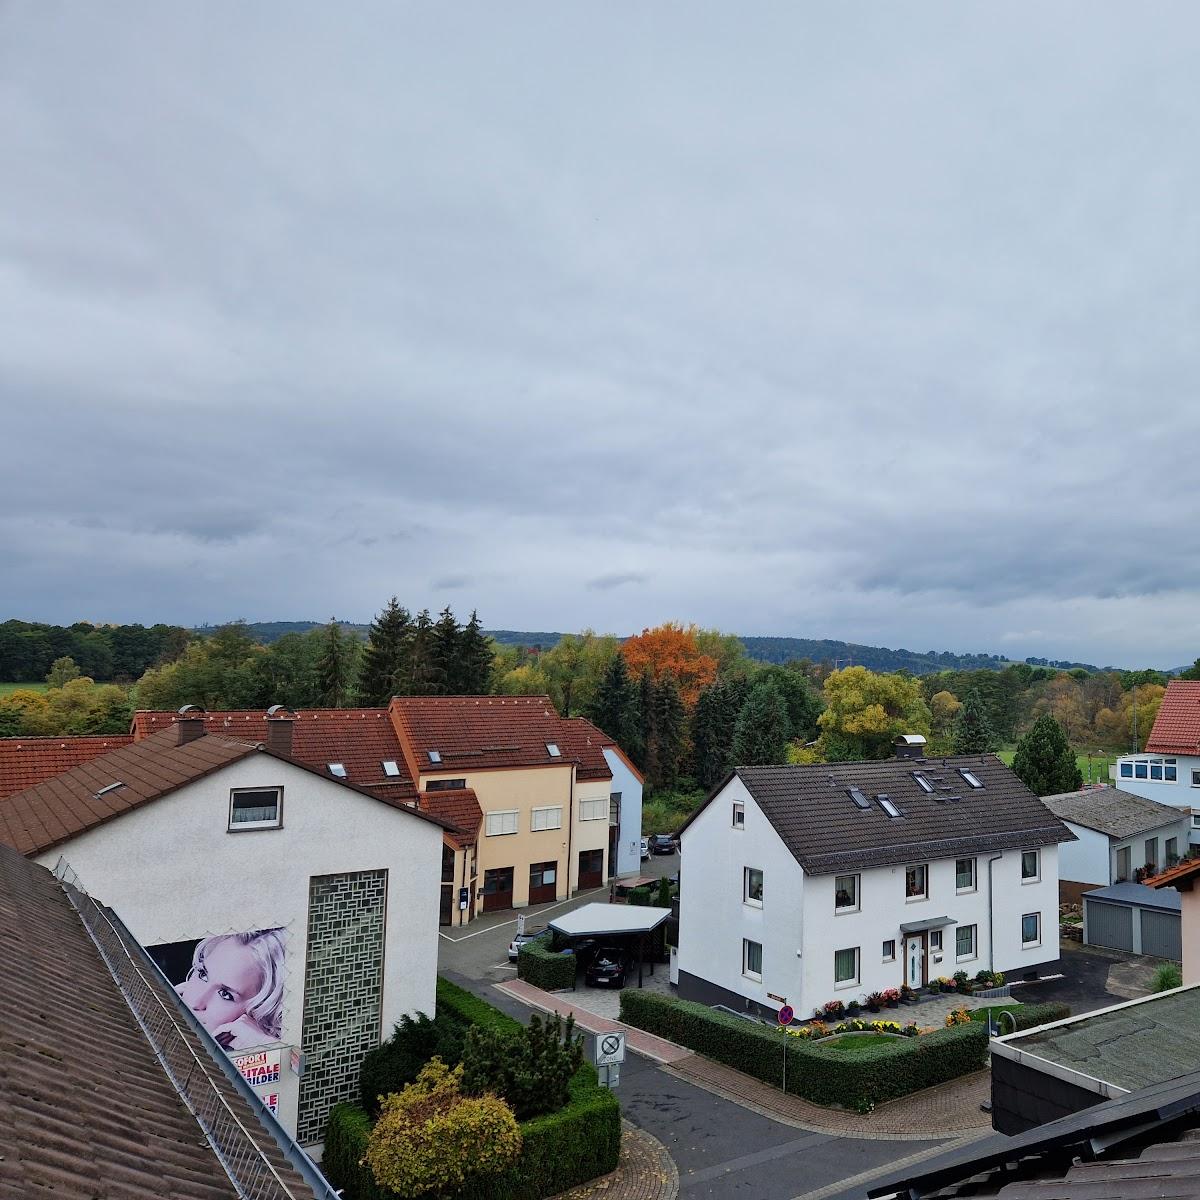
221, 985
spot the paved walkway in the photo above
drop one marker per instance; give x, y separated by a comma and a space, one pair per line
644, 1172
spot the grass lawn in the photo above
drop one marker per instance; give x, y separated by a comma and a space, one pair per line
859, 1042
1093, 769
993, 1010
39, 686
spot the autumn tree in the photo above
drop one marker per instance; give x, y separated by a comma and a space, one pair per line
673, 650
763, 728
1044, 760
943, 708
865, 711
1062, 699
62, 670
1117, 727
575, 666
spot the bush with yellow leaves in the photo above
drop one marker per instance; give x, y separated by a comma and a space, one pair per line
958, 1016
430, 1139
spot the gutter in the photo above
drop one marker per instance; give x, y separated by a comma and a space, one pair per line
991, 915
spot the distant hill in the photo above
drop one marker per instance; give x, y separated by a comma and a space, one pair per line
765, 649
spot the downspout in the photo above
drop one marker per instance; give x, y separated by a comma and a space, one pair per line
571, 831
991, 920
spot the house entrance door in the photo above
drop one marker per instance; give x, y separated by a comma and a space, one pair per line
914, 959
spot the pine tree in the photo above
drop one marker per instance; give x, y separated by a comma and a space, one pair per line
615, 707
972, 731
476, 655
763, 727
385, 660
1045, 761
712, 730
424, 677
648, 742
670, 730
334, 667
447, 654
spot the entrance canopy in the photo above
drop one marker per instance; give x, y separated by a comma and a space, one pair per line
928, 923
602, 920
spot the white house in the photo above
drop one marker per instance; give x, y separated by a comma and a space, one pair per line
804, 884
296, 914
1116, 834
627, 805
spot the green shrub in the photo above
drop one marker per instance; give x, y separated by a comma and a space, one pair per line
530, 1070
639, 896
459, 1005
1026, 1016
391, 1067
663, 899
1166, 977
545, 969
817, 1073
342, 1161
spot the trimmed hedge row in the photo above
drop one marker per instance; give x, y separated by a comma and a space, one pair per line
1029, 1015
560, 1150
818, 1073
544, 968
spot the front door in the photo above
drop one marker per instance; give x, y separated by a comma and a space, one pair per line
591, 868
914, 959
543, 882
497, 889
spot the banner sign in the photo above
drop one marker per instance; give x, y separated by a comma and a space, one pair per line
260, 1069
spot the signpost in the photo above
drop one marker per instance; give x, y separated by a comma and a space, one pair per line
520, 924
610, 1054
786, 1015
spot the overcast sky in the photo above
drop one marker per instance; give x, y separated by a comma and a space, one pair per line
875, 322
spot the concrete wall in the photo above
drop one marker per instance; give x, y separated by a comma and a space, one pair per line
629, 858
1087, 860
173, 872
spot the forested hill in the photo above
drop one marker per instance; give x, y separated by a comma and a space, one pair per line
766, 649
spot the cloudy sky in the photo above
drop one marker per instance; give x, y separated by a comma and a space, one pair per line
875, 322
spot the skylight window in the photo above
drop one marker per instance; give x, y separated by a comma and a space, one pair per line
435, 756
970, 777
553, 750
390, 767
112, 787
888, 807
922, 782
856, 795
337, 770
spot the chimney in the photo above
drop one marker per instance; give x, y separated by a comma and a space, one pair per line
280, 723
908, 745
189, 724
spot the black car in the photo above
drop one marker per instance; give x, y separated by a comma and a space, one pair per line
662, 843
607, 968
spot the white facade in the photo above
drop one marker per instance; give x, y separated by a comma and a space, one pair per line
801, 929
173, 871
1099, 859
629, 787
1169, 779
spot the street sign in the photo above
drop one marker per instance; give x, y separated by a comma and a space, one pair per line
610, 1048
520, 924
786, 1015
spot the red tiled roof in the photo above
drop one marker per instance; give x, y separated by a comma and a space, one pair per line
457, 806
473, 733
26, 761
1177, 726
1182, 873
583, 741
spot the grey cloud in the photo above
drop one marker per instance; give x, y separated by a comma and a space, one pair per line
605, 583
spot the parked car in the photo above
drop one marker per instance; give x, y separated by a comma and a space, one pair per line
645, 849
522, 939
662, 843
607, 968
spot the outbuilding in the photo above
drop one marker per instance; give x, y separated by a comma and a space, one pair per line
1134, 918
636, 928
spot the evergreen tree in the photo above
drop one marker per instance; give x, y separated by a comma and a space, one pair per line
972, 730
476, 657
335, 667
446, 651
424, 676
763, 727
615, 706
648, 742
712, 729
670, 730
385, 660
1045, 761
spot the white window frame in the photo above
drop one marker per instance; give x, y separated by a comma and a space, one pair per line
935, 941
1037, 916
739, 815
1196, 820
746, 897
1036, 877
494, 822
916, 897
886, 957
974, 943
746, 971
1127, 873
848, 908
973, 886
594, 810
542, 819
275, 822
848, 983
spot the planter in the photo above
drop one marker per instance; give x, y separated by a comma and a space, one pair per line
872, 1008
893, 1004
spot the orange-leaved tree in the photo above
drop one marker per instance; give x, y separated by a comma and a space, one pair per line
671, 649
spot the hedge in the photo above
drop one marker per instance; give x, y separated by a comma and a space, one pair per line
639, 897
818, 1073
560, 1151
545, 969
1025, 1015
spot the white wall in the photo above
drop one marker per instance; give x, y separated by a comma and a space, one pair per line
713, 919
629, 836
1014, 898
1087, 860
173, 872
1179, 830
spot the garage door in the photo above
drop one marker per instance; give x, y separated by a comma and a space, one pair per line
1109, 925
1161, 934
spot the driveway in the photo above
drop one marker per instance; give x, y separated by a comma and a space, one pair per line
1091, 978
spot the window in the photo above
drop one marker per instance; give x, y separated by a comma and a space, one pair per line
922, 782
435, 756
970, 777
856, 795
1141, 770
964, 875
845, 967
914, 883
1156, 770
739, 815
1152, 852
542, 874
255, 808
497, 823
935, 940
889, 950
445, 785
593, 810
1124, 864
1030, 866
1172, 851
1031, 929
752, 886
545, 818
845, 893
885, 802
391, 768
553, 750
1127, 770
337, 770
752, 959
1195, 778
964, 941
1170, 771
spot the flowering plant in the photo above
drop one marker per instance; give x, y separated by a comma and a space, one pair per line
910, 1030
833, 1009
958, 1016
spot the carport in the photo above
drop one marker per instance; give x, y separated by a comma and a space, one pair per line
626, 924
1134, 918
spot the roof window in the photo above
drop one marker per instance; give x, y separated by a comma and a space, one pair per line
391, 768
856, 795
922, 782
553, 750
970, 777
885, 802
112, 787
435, 756
337, 770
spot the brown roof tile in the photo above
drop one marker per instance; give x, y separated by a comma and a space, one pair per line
26, 761
584, 742
458, 807
1177, 726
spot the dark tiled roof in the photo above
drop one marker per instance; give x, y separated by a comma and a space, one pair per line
1138, 895
1177, 726
86, 1110
827, 832
26, 761
1113, 812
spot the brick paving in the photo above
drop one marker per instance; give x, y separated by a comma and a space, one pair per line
645, 1171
